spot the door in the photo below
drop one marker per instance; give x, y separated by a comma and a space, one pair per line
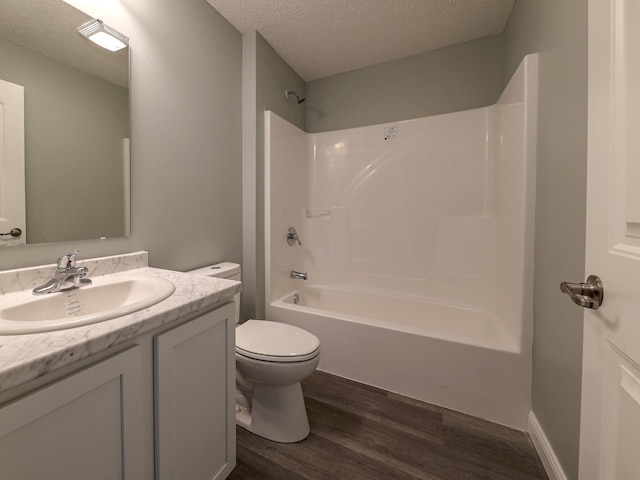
12, 194
610, 416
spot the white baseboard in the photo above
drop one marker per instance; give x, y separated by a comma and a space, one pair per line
545, 452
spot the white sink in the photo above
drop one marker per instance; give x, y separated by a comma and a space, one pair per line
105, 299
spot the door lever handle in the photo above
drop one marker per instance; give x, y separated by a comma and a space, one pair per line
15, 232
588, 295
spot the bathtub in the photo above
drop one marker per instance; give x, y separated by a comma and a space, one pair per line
449, 355
418, 248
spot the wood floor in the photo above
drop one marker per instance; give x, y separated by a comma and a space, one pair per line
363, 433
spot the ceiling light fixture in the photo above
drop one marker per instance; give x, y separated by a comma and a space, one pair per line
105, 36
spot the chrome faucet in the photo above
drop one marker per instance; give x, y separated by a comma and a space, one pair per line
293, 237
66, 272
298, 275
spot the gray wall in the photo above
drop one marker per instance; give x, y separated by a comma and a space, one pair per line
186, 139
558, 30
73, 144
265, 78
460, 77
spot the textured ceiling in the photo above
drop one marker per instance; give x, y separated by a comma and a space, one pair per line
319, 38
49, 27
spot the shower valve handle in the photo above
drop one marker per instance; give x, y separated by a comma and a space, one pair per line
292, 237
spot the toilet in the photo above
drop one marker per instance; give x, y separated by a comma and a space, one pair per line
272, 359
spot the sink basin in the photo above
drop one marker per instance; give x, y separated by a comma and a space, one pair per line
105, 299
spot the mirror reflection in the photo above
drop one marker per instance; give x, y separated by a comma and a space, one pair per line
64, 148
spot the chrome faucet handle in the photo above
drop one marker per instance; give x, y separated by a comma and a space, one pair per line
66, 272
79, 278
68, 260
293, 237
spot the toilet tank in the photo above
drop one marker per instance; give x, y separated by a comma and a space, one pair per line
228, 270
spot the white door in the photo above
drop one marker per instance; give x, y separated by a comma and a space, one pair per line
12, 196
610, 416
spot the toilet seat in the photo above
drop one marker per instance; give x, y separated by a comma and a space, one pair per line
277, 359
275, 342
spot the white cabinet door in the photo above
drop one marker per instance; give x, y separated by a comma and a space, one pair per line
195, 388
84, 426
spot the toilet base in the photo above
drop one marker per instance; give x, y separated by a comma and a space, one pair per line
277, 413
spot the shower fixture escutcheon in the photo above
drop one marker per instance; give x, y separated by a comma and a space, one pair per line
293, 237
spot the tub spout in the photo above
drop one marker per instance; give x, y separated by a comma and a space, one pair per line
298, 275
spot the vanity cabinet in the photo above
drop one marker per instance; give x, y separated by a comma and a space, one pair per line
163, 408
195, 398
86, 425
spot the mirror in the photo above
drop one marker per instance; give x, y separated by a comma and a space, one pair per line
76, 126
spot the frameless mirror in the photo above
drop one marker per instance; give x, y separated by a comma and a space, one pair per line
64, 127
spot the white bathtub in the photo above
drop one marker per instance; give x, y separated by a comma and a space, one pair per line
447, 355
406, 314
441, 219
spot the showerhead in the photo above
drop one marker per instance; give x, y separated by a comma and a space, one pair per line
299, 99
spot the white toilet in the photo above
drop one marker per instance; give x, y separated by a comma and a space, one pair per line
271, 360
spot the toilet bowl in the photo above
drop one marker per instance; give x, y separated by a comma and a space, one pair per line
272, 359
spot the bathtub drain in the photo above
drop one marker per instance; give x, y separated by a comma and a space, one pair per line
296, 298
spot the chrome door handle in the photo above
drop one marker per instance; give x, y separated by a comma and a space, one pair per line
588, 295
15, 232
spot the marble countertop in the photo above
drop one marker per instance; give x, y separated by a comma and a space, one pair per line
27, 357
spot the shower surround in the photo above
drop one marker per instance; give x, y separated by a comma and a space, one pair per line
417, 237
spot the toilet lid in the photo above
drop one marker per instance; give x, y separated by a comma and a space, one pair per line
274, 341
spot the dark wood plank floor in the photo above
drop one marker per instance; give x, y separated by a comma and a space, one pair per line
363, 433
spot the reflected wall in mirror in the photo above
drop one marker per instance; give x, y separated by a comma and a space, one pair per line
76, 129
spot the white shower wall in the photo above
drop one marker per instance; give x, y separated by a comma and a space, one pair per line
418, 248
512, 157
438, 207
414, 208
